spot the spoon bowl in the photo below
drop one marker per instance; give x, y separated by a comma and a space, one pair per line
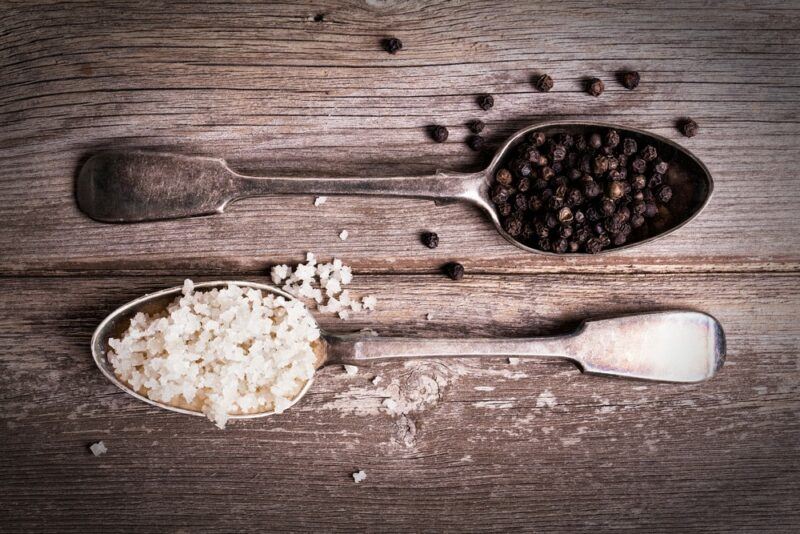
673, 346
125, 187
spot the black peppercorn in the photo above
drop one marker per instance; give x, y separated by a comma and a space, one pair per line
475, 142
520, 167
580, 143
440, 134
565, 231
599, 164
650, 210
521, 202
655, 181
579, 217
476, 126
574, 197
607, 206
541, 230
595, 141
486, 102
544, 244
392, 45
431, 239
565, 215
661, 167
591, 188
595, 87
551, 220
612, 138
560, 246
504, 209
513, 226
535, 203
544, 83
689, 127
630, 80
637, 207
574, 246
638, 165
555, 203
500, 194
594, 245
614, 190
564, 139
619, 238
639, 182
649, 153
524, 184
664, 194
503, 177
537, 138
629, 146
637, 221
455, 270
546, 173
558, 153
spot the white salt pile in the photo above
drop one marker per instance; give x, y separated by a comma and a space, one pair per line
224, 352
324, 284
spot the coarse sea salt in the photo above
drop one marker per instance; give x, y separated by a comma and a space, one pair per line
319, 201
324, 284
359, 476
98, 448
227, 351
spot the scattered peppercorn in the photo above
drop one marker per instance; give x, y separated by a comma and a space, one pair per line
486, 102
475, 142
581, 193
439, 134
392, 45
454, 270
319, 17
630, 80
476, 126
595, 87
689, 128
430, 239
544, 83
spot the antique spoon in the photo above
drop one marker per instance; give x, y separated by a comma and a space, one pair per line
124, 187
670, 346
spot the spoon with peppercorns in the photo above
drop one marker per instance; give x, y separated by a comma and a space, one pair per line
558, 187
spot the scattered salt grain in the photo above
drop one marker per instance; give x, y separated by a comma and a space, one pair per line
390, 404
369, 302
98, 448
359, 476
226, 351
344, 315
351, 370
546, 399
376, 380
513, 361
429, 317
343, 235
319, 201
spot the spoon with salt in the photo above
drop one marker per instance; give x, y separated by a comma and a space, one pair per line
668, 346
134, 186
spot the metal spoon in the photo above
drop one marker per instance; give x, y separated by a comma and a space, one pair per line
123, 187
672, 346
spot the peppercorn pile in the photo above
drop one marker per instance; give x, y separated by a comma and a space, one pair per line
580, 193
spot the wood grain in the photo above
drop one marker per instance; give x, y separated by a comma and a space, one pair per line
269, 89
475, 446
478, 448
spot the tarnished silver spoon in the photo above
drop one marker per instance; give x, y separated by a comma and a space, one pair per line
125, 187
670, 346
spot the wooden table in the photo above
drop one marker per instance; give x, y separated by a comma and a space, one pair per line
478, 446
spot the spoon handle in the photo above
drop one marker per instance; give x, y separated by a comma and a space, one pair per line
442, 186
367, 349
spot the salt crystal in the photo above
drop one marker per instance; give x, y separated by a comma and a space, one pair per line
343, 235
369, 302
319, 201
376, 380
390, 404
344, 315
99, 448
429, 317
359, 476
351, 370
513, 361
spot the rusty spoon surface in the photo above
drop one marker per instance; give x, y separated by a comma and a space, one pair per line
670, 346
126, 187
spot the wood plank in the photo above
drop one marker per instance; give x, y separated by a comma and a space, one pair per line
267, 88
482, 446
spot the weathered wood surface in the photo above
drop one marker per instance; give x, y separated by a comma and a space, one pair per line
266, 87
476, 445
479, 447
